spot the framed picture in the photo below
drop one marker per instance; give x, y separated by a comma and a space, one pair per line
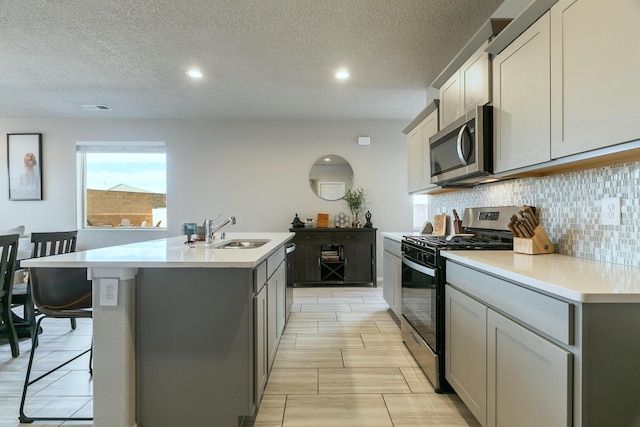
24, 157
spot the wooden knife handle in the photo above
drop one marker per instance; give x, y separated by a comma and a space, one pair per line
528, 210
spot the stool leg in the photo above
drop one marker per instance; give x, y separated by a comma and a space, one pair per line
34, 343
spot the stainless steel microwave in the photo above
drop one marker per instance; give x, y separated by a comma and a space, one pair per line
462, 153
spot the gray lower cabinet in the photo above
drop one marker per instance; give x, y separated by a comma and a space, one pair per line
506, 373
528, 377
275, 311
466, 350
261, 356
520, 357
392, 275
503, 372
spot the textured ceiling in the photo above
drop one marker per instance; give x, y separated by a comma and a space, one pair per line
260, 58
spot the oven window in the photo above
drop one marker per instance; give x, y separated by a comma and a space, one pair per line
419, 303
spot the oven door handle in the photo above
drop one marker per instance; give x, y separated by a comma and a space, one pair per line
420, 268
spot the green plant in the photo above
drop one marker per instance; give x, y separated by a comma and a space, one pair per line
356, 199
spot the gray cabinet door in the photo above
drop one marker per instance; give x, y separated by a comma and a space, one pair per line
260, 343
529, 378
466, 350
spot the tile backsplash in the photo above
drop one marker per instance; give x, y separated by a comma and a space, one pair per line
569, 208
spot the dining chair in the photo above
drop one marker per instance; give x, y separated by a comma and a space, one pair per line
8, 251
57, 292
44, 244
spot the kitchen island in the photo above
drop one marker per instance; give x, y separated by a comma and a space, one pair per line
180, 340
546, 340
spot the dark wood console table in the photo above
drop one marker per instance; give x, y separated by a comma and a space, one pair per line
335, 256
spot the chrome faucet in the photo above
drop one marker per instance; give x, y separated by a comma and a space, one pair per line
210, 229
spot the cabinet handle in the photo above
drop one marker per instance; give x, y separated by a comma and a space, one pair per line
345, 261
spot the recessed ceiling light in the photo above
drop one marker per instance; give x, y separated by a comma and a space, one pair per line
194, 74
327, 159
342, 74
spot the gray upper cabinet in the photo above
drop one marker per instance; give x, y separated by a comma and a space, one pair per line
467, 88
418, 133
595, 65
522, 100
564, 89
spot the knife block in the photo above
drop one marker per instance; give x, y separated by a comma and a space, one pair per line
538, 244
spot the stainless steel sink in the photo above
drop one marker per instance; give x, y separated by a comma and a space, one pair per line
242, 244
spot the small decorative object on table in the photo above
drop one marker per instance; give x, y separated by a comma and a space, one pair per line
357, 201
297, 223
368, 224
323, 220
341, 220
188, 229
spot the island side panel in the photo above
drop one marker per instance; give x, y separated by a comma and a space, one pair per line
194, 346
611, 364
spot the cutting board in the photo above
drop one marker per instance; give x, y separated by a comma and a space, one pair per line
440, 225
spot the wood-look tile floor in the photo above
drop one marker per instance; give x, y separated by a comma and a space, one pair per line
341, 362
67, 392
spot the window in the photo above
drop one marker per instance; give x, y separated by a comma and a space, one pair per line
420, 211
122, 184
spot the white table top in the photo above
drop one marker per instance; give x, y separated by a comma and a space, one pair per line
170, 253
577, 279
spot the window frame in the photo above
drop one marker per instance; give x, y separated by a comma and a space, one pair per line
115, 147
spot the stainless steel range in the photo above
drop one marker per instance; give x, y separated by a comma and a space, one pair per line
423, 282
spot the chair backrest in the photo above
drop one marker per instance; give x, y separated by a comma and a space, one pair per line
8, 252
54, 243
60, 288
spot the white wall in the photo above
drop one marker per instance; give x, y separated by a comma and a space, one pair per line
255, 170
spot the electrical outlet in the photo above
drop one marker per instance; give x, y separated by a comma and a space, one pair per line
108, 291
610, 211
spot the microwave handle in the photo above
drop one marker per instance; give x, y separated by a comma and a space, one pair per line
461, 156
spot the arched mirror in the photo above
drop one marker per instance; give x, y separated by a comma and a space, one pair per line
330, 177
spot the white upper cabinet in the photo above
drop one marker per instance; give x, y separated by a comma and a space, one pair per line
414, 159
418, 154
595, 68
522, 100
429, 128
467, 88
450, 107
475, 78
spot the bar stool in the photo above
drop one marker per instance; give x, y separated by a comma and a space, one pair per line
44, 244
58, 293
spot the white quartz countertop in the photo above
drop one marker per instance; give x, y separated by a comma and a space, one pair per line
170, 253
397, 235
577, 279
